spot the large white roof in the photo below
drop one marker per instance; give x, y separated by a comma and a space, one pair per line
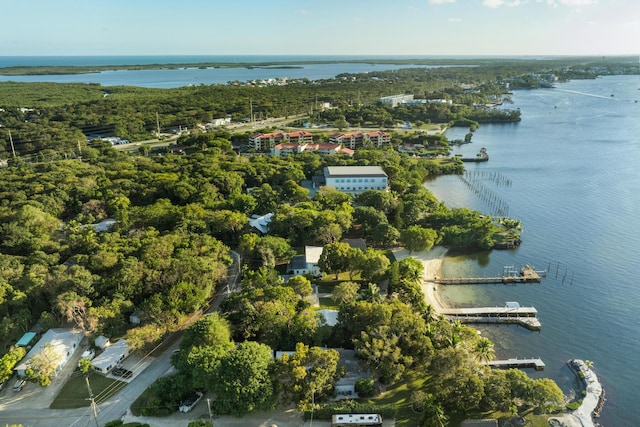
335, 171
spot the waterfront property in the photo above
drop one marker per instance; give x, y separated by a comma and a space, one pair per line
356, 179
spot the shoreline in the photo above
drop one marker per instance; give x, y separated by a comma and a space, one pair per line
432, 261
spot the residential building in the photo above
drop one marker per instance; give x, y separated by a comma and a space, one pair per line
358, 139
261, 222
306, 264
356, 179
266, 141
288, 148
62, 343
111, 357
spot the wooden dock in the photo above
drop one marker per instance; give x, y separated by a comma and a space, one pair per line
522, 316
535, 363
527, 274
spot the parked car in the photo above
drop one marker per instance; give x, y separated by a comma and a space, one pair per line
19, 385
121, 372
187, 404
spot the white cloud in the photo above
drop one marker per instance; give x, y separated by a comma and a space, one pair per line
454, 20
497, 3
508, 3
568, 3
441, 1
493, 3
302, 12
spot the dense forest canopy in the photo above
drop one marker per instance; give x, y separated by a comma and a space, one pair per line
59, 117
176, 218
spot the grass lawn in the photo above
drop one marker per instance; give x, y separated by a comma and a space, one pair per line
399, 394
325, 289
328, 303
74, 394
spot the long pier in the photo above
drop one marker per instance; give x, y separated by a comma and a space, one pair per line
522, 316
527, 274
535, 363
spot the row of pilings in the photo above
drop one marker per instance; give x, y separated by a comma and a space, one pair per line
473, 181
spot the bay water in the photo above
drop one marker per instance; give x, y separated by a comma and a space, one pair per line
570, 171
176, 75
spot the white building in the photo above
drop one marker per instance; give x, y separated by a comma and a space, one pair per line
395, 100
356, 179
111, 357
62, 344
307, 263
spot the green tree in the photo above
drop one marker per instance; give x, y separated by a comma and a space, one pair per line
345, 292
483, 350
335, 258
309, 374
301, 286
242, 381
416, 238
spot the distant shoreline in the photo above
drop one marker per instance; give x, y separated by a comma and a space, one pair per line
287, 62
39, 70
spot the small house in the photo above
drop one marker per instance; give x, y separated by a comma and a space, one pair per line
308, 263
111, 357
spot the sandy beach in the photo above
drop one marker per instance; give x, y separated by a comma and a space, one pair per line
432, 261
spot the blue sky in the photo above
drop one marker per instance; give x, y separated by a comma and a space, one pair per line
320, 27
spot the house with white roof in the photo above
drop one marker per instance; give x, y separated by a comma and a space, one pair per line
61, 345
356, 179
306, 264
111, 357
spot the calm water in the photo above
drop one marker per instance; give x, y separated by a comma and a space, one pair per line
571, 172
179, 77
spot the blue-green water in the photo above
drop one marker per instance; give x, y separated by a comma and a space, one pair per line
570, 170
185, 76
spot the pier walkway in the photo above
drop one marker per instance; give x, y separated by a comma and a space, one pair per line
535, 363
522, 316
527, 274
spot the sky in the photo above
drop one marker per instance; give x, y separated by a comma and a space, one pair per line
320, 27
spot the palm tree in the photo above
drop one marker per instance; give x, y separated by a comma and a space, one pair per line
484, 350
371, 293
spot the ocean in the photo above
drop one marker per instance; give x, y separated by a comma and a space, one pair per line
570, 171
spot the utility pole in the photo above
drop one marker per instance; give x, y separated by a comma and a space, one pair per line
251, 111
13, 150
158, 125
79, 148
210, 416
93, 403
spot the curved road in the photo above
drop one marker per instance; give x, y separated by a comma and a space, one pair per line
16, 408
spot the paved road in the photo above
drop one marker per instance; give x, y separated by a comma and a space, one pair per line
30, 407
